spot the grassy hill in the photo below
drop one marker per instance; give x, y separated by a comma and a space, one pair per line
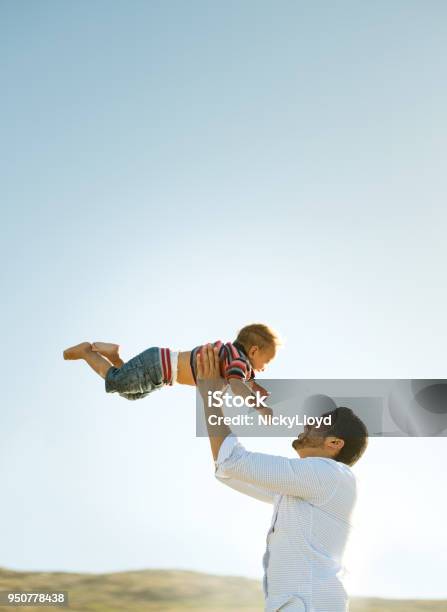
170, 591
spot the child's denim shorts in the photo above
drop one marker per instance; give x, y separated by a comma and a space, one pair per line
138, 377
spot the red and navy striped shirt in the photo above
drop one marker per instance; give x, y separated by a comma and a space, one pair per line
234, 363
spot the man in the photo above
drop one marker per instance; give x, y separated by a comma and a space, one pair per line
313, 497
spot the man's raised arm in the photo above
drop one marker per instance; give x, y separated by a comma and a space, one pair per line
220, 436
313, 478
209, 379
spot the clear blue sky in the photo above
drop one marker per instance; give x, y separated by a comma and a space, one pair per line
171, 171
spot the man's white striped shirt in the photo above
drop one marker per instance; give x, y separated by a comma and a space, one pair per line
313, 499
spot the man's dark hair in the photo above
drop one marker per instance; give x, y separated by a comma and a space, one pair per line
348, 427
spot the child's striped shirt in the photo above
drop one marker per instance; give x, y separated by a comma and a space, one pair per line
234, 363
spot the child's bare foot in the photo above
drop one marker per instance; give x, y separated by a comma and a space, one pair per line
77, 352
109, 350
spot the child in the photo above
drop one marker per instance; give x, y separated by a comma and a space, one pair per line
254, 347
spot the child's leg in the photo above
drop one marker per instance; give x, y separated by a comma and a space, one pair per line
84, 351
109, 351
135, 379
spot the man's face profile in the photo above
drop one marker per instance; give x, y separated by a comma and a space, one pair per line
314, 439
309, 438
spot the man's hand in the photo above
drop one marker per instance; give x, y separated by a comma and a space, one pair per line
208, 371
207, 365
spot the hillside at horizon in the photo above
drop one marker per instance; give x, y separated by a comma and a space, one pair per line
171, 591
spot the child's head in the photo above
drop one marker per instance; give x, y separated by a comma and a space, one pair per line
259, 342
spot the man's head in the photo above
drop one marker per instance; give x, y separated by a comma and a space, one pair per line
259, 343
345, 440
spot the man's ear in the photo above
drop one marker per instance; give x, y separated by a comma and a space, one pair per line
335, 443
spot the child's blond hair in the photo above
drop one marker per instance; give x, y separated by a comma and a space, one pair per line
258, 334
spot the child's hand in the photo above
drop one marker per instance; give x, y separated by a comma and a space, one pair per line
264, 410
255, 387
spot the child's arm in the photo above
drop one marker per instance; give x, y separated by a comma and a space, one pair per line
237, 372
245, 390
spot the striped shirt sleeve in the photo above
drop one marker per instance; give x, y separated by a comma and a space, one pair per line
235, 364
238, 485
313, 479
